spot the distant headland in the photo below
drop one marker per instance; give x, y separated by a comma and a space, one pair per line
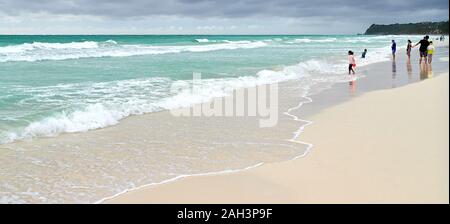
410, 28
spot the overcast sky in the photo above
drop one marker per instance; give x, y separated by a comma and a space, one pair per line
211, 16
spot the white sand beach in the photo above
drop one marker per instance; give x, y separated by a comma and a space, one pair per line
387, 146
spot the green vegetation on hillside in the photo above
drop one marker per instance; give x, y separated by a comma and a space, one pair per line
410, 28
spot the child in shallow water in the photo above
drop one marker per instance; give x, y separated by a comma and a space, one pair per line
351, 62
408, 49
430, 52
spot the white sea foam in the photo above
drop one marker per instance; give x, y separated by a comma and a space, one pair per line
92, 117
111, 42
62, 51
35, 46
202, 40
307, 40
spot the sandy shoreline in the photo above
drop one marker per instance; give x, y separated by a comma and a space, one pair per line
387, 146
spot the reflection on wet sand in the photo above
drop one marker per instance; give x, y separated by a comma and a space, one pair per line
394, 73
426, 71
409, 69
394, 69
430, 71
352, 86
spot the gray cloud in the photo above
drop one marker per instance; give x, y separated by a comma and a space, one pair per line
332, 9
211, 16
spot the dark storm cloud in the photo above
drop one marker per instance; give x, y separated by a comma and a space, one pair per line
332, 9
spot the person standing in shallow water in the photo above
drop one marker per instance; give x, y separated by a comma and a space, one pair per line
430, 52
393, 48
408, 49
423, 49
351, 62
363, 55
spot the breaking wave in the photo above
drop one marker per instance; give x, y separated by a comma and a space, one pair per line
38, 51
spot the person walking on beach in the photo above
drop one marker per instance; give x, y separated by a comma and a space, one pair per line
430, 52
408, 49
351, 62
393, 48
423, 49
363, 55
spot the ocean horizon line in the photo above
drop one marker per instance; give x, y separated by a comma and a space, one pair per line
184, 35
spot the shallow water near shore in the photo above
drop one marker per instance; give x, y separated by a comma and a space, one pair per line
85, 167
385, 75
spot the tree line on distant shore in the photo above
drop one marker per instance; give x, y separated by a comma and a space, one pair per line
410, 28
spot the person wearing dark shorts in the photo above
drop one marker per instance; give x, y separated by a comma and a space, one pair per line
424, 43
423, 54
351, 62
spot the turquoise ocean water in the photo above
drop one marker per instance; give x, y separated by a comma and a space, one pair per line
51, 85
55, 84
